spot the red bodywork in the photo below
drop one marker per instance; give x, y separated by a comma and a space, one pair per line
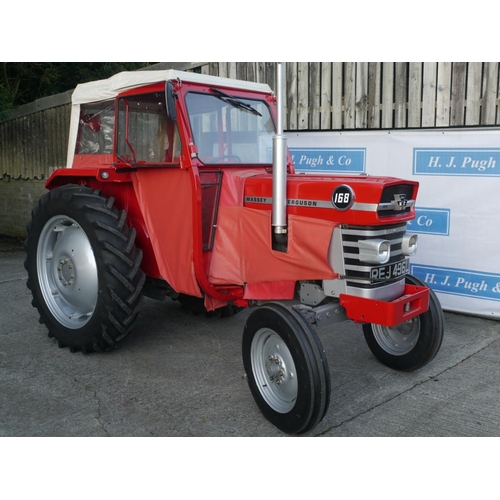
413, 302
166, 205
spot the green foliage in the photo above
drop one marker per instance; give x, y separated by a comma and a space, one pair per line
5, 100
24, 82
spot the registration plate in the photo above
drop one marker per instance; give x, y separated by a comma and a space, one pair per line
390, 271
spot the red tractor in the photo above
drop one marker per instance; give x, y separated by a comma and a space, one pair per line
181, 185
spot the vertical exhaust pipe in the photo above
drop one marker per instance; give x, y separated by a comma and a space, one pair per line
279, 223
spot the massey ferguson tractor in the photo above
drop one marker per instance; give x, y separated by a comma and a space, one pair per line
180, 185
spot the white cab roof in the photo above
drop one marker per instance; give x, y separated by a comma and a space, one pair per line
102, 90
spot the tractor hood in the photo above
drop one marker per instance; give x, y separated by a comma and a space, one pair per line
358, 200
242, 252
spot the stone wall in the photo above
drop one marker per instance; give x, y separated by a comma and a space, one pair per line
17, 198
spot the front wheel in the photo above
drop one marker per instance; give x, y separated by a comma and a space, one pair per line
286, 368
412, 344
83, 268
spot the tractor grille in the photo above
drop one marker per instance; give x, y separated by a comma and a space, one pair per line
363, 275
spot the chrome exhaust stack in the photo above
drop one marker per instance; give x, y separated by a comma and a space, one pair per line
279, 220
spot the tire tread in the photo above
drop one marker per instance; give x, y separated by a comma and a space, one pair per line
121, 259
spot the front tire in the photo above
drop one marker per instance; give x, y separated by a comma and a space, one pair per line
286, 368
83, 268
412, 344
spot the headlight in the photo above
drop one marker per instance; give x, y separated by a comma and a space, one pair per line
374, 251
409, 245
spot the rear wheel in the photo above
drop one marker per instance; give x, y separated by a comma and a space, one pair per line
286, 367
83, 268
412, 344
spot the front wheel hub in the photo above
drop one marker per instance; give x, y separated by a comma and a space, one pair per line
399, 340
274, 370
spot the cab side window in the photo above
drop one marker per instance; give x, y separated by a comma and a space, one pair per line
96, 128
144, 132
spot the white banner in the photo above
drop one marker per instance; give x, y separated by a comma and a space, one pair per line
458, 204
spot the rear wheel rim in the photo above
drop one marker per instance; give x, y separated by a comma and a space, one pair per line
274, 370
399, 340
67, 272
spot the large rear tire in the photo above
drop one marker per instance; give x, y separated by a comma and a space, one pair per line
286, 367
412, 344
83, 268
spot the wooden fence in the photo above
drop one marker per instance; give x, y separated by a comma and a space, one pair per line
33, 145
374, 95
320, 96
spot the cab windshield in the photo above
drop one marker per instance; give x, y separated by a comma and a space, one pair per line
228, 129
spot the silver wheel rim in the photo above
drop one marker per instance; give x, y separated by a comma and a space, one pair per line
399, 340
67, 272
274, 370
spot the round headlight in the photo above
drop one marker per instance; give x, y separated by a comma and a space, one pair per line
384, 252
409, 245
374, 251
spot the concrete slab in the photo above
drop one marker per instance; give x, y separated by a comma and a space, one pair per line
182, 375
